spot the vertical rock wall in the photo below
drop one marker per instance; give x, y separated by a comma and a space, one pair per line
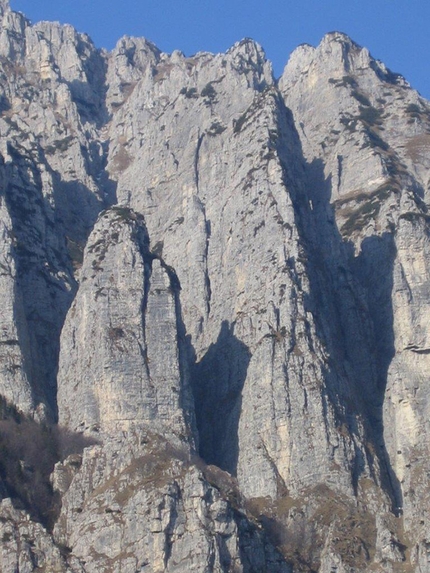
217, 284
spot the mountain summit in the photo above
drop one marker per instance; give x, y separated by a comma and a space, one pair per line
214, 334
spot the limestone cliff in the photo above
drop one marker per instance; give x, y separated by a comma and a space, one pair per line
214, 320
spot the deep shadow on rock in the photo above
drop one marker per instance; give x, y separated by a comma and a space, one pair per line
217, 382
353, 316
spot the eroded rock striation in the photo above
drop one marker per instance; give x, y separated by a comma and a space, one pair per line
214, 333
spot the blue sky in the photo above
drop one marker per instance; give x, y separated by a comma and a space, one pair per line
395, 31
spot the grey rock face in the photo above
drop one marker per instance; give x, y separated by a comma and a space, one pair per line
14, 346
225, 209
122, 321
159, 513
218, 284
384, 221
25, 545
54, 183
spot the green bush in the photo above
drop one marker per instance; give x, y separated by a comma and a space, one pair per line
375, 141
209, 92
360, 97
216, 128
413, 108
344, 82
370, 115
59, 145
189, 93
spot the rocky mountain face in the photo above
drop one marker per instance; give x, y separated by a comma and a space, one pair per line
214, 342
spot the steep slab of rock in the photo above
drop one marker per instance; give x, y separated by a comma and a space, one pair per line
223, 192
15, 377
122, 359
53, 177
26, 546
380, 215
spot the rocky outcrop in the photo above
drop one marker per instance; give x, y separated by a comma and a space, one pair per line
123, 356
383, 221
25, 545
222, 211
145, 504
217, 284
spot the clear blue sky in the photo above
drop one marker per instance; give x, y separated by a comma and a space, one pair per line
395, 31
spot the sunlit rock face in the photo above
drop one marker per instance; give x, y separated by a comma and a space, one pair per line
214, 321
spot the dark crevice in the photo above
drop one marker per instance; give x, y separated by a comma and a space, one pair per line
170, 529
196, 161
90, 96
339, 170
208, 296
186, 357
